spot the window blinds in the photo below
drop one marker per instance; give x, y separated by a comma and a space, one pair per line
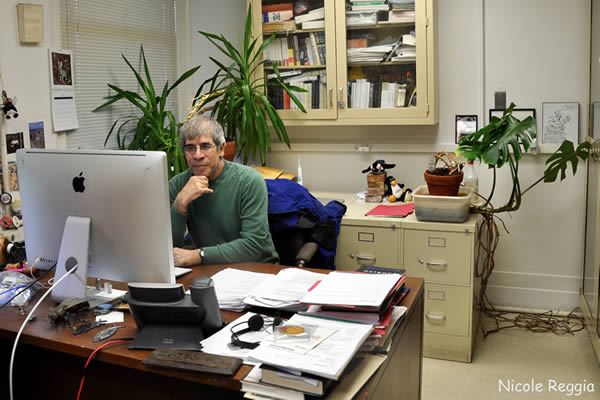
98, 32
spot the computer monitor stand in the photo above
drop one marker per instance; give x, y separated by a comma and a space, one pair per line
74, 252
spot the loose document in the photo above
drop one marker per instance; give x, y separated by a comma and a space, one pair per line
284, 290
233, 285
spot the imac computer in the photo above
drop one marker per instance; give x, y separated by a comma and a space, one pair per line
106, 212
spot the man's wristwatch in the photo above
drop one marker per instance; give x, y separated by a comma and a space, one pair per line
201, 256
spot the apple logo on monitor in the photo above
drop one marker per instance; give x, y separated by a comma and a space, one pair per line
78, 181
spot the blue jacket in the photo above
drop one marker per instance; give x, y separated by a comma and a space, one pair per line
291, 207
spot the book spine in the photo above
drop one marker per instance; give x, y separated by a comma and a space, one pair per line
315, 51
277, 16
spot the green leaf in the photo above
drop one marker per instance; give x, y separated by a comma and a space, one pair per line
559, 160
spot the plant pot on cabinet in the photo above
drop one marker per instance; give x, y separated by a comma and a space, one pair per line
443, 185
229, 150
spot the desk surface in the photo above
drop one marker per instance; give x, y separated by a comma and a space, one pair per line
41, 334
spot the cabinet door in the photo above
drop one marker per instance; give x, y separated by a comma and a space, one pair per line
384, 59
303, 51
447, 309
366, 245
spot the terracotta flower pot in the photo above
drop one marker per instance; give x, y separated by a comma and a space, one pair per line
439, 185
229, 150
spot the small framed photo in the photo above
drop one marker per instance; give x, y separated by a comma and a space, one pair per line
518, 113
465, 124
560, 122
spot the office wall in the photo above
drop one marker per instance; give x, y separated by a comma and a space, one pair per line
25, 75
534, 50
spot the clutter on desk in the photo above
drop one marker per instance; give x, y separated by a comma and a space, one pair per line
14, 283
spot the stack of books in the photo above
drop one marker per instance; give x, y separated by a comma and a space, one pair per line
278, 17
314, 19
402, 11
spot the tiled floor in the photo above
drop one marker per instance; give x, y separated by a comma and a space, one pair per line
517, 356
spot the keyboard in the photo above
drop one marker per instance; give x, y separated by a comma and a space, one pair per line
372, 269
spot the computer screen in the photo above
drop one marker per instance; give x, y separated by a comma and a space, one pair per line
119, 197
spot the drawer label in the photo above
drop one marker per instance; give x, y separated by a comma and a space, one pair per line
366, 237
437, 242
436, 295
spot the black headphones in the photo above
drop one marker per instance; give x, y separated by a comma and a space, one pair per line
255, 323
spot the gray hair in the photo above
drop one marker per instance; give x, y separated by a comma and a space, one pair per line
201, 125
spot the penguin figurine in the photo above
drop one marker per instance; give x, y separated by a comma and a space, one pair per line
378, 167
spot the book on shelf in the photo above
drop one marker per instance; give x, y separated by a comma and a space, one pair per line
296, 380
314, 24
371, 7
276, 16
277, 7
270, 27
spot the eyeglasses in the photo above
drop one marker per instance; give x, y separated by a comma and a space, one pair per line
192, 148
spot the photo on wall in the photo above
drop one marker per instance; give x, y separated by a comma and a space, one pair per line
13, 179
36, 135
14, 142
465, 125
560, 122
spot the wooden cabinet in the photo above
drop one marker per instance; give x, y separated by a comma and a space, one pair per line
357, 67
443, 254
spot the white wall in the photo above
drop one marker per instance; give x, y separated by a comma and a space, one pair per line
25, 73
536, 51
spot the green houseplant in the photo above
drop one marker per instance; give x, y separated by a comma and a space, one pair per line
503, 142
240, 102
155, 128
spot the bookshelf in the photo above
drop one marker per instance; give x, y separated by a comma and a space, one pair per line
357, 67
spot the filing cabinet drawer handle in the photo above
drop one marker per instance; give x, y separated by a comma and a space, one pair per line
436, 317
362, 258
441, 265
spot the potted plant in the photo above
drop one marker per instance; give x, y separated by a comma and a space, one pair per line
444, 180
503, 142
240, 102
155, 128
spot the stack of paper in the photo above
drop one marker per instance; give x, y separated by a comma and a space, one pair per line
284, 290
232, 286
368, 55
353, 291
328, 359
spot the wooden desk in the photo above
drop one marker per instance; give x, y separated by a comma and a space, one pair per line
49, 360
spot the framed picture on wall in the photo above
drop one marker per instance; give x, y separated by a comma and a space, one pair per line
464, 125
560, 122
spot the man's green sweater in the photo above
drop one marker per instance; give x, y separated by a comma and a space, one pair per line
230, 224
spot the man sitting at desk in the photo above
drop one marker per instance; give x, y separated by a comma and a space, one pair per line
223, 204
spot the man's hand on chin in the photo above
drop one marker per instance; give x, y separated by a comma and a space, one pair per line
185, 257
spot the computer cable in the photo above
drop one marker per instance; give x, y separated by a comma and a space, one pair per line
91, 357
14, 349
27, 287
